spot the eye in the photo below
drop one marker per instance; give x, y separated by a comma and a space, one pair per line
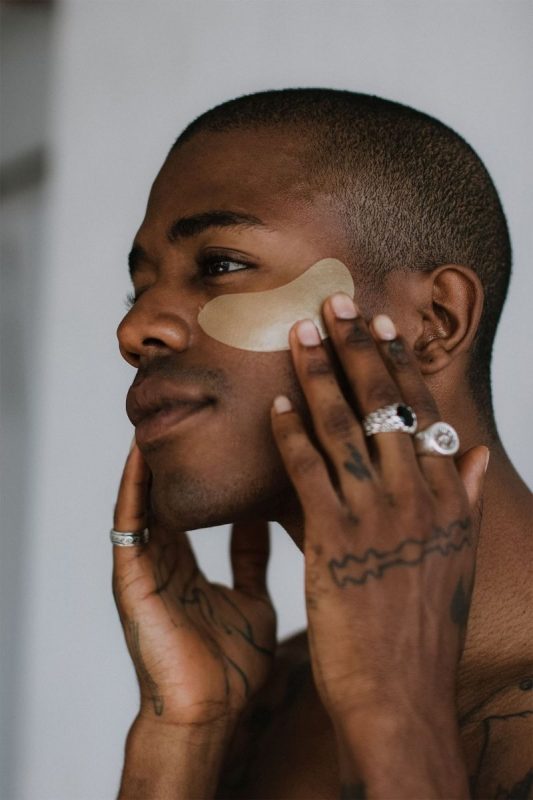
213, 265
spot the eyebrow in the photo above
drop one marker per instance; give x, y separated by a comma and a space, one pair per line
187, 227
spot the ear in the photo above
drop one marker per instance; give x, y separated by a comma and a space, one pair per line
452, 301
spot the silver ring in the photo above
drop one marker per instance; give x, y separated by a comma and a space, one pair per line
396, 417
439, 439
129, 538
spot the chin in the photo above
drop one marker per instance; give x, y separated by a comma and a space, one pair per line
186, 503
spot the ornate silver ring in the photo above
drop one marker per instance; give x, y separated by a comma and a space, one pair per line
129, 538
396, 417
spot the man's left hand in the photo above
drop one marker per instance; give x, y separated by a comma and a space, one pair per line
390, 535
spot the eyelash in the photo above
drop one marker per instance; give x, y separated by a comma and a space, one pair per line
129, 300
213, 259
205, 263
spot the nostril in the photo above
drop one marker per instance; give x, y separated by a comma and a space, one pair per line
130, 356
153, 342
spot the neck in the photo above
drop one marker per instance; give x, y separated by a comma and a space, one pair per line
498, 644
291, 518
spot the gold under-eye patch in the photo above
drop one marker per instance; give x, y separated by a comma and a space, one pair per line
261, 321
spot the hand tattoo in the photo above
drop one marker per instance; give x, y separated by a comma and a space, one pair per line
355, 464
354, 569
196, 596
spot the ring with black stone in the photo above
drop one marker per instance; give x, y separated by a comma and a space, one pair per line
395, 418
129, 538
439, 439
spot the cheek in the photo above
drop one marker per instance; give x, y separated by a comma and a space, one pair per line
260, 377
256, 379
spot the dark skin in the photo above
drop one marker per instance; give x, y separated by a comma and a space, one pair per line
282, 719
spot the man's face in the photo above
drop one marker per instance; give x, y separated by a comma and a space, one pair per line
212, 455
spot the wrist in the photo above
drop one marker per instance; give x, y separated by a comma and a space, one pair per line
168, 760
217, 729
403, 755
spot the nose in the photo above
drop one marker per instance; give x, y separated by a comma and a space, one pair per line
151, 328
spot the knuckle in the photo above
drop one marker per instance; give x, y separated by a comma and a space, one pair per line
398, 354
381, 394
303, 464
425, 406
411, 497
287, 430
338, 421
358, 336
409, 491
348, 519
423, 515
317, 367
456, 506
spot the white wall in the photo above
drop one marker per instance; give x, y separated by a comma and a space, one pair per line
24, 52
128, 77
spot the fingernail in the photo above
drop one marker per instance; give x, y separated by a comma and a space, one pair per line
384, 327
343, 306
307, 333
282, 404
487, 459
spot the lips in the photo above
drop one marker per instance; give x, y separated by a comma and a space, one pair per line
154, 406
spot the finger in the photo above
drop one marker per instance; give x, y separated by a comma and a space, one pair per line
131, 506
250, 551
130, 563
371, 384
334, 422
439, 471
304, 464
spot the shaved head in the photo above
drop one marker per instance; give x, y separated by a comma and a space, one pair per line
410, 192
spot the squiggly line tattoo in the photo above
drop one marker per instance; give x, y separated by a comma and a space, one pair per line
195, 596
353, 569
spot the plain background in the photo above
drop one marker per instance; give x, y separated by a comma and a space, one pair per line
98, 91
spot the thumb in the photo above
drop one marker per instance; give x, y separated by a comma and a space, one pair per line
472, 468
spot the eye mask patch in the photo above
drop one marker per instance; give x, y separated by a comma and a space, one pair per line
261, 321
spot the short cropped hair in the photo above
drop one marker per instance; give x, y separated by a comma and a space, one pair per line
411, 193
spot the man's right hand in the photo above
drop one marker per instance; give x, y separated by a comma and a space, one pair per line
200, 649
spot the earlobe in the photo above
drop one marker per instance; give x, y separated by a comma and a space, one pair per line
451, 317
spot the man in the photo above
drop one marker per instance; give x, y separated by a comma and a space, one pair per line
258, 197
